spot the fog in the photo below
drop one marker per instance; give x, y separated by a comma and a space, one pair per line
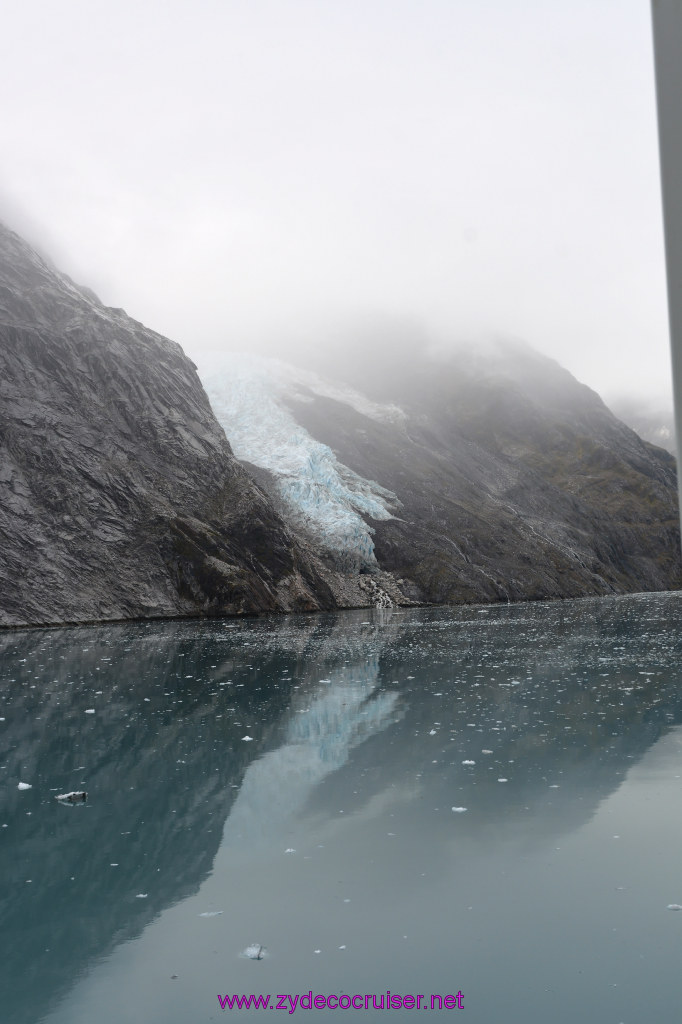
287, 177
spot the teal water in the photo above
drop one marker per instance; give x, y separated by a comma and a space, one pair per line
329, 837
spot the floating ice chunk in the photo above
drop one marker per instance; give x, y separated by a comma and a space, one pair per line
290, 849
503, 780
141, 895
254, 952
24, 785
433, 732
342, 947
674, 906
459, 810
211, 913
89, 711
76, 796
247, 739
486, 751
468, 762
317, 951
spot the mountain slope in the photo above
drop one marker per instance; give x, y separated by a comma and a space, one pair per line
119, 494
507, 479
480, 477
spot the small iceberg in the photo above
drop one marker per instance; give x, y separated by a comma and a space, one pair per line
211, 913
24, 785
254, 952
459, 810
76, 796
674, 906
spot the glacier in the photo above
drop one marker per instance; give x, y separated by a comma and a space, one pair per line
321, 496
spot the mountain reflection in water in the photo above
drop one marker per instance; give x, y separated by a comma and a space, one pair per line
360, 724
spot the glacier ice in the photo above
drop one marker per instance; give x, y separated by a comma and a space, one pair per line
323, 496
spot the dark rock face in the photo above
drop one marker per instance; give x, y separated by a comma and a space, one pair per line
515, 481
119, 494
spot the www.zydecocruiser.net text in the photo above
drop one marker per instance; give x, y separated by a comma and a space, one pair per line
308, 1001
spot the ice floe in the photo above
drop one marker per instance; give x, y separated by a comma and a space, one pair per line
255, 951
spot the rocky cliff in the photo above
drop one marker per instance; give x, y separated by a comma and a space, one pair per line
119, 494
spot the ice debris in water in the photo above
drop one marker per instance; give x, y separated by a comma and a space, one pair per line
674, 906
433, 732
24, 785
141, 895
486, 751
76, 796
468, 762
89, 711
254, 952
503, 780
459, 810
247, 739
211, 913
290, 849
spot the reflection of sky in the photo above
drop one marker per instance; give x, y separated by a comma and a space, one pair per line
322, 729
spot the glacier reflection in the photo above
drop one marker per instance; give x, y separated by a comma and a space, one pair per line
323, 727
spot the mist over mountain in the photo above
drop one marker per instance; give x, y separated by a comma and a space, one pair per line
387, 472
654, 421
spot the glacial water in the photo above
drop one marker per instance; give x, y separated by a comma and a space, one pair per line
426, 802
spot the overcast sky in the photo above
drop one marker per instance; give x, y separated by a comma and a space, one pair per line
241, 173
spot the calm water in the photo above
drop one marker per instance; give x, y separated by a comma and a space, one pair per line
329, 836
